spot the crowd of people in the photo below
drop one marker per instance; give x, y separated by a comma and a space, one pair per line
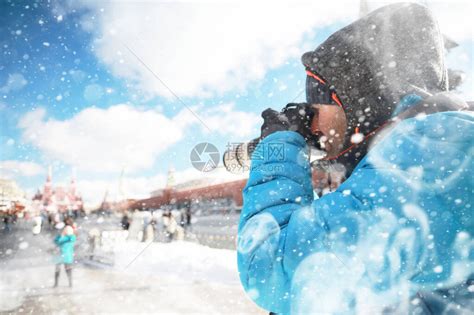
160, 225
8, 218
145, 225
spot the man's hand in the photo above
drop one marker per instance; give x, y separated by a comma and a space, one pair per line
273, 121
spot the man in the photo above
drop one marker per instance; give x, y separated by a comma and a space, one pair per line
397, 235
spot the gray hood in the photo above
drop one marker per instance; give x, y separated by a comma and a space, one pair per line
375, 61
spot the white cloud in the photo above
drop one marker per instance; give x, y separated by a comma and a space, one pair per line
223, 119
102, 140
15, 82
13, 168
107, 140
200, 48
230, 122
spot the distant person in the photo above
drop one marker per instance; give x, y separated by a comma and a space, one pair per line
125, 223
187, 215
65, 241
135, 230
93, 240
7, 221
173, 230
50, 220
169, 224
148, 232
37, 224
182, 219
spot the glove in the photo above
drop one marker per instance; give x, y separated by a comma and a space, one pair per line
273, 121
296, 117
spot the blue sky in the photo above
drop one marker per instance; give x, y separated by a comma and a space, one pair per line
74, 97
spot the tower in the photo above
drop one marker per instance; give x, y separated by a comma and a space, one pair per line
121, 190
170, 182
72, 197
48, 189
363, 8
72, 185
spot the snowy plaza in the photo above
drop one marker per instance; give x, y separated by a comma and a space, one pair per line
166, 278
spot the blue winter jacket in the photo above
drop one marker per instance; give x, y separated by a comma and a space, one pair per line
402, 223
66, 246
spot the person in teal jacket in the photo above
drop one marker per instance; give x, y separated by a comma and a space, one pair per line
65, 241
397, 235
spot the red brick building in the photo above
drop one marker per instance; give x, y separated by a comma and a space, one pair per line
229, 191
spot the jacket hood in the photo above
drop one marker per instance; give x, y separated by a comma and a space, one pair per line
375, 61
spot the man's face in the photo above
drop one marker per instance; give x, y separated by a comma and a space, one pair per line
331, 123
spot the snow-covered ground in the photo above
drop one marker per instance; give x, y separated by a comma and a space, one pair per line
163, 278
180, 262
